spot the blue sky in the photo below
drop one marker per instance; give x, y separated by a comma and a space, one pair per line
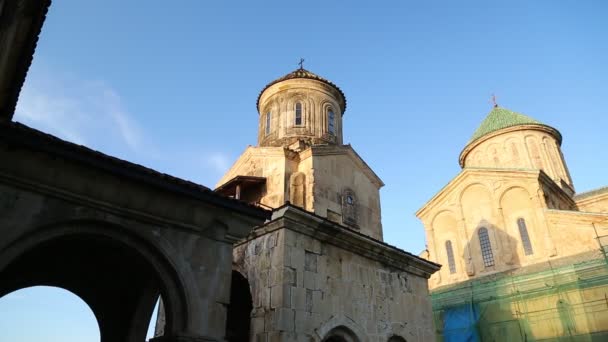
173, 87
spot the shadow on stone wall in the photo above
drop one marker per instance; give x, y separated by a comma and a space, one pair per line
479, 311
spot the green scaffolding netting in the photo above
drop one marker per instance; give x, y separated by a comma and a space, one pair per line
549, 303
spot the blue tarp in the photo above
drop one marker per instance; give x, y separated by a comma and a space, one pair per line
460, 324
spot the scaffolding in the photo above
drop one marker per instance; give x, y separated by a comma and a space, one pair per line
568, 302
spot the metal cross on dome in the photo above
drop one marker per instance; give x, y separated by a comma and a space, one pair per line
494, 100
301, 63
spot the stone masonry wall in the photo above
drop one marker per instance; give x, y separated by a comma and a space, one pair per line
302, 288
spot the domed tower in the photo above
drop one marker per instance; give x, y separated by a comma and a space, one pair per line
506, 139
300, 157
300, 106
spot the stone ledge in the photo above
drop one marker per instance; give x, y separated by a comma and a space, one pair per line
303, 222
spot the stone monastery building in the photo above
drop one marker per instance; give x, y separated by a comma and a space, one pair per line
318, 270
523, 254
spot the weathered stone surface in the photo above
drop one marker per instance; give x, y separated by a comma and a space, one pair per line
372, 294
322, 270
126, 237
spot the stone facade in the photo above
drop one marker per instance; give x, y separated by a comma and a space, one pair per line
306, 164
118, 242
512, 211
513, 176
310, 275
318, 270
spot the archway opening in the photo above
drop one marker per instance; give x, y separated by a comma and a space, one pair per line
119, 278
340, 334
40, 313
238, 318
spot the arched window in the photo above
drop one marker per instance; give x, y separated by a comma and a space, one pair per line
525, 238
349, 207
450, 253
298, 116
486, 247
268, 118
331, 122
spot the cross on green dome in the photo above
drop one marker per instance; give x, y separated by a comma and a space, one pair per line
500, 118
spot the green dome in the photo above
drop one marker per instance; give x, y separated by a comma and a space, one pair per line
500, 118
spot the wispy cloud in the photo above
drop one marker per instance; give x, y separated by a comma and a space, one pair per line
92, 113
86, 112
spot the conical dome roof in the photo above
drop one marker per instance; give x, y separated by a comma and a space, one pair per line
302, 73
500, 118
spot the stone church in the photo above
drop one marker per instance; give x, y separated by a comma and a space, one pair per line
120, 236
318, 270
524, 255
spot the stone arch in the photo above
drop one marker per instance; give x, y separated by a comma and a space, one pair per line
445, 227
396, 338
494, 153
534, 152
323, 125
308, 110
238, 315
297, 189
272, 107
513, 146
340, 327
340, 334
549, 158
516, 203
524, 194
477, 206
476, 202
73, 309
118, 274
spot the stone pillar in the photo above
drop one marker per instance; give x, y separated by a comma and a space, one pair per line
540, 214
468, 258
507, 252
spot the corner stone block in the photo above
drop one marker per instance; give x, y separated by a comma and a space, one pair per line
297, 258
280, 296
283, 319
310, 261
290, 276
298, 298
290, 238
310, 280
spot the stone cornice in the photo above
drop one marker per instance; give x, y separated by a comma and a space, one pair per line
303, 222
535, 127
548, 181
576, 217
591, 196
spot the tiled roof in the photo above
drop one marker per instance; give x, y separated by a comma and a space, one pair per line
500, 118
302, 73
591, 193
19, 134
